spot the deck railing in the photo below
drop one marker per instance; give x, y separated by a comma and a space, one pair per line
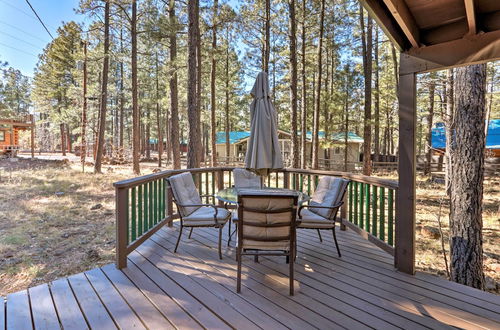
144, 205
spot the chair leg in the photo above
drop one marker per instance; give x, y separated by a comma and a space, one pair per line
336, 244
190, 232
256, 258
319, 234
178, 239
220, 242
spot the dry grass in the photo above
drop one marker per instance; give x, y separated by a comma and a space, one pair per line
48, 230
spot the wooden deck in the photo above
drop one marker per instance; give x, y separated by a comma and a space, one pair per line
194, 289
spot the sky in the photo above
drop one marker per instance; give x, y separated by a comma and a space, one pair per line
22, 36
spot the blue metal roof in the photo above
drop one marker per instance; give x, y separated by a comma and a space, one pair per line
492, 139
234, 137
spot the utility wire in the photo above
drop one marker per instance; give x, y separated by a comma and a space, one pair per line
19, 39
22, 31
19, 50
34, 11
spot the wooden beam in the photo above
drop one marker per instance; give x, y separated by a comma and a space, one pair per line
405, 19
404, 258
471, 16
379, 12
481, 48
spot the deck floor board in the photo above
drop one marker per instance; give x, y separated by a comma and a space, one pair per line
193, 289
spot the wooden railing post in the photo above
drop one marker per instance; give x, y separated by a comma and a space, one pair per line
286, 180
121, 227
220, 183
169, 206
343, 213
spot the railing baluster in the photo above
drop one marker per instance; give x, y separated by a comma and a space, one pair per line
302, 183
133, 220
146, 206
207, 199
381, 233
150, 204
374, 211
230, 174
356, 222
350, 202
309, 185
277, 179
155, 202
361, 209
139, 210
390, 209
367, 206
214, 175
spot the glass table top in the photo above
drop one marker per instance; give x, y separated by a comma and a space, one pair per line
230, 195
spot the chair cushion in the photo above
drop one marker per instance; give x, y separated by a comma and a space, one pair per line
204, 216
245, 179
268, 246
328, 192
185, 192
313, 220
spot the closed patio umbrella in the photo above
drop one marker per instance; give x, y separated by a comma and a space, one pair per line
263, 151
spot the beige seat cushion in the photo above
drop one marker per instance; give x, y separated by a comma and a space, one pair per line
185, 192
268, 246
204, 216
314, 221
328, 193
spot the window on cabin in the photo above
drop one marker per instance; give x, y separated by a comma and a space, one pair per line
2, 136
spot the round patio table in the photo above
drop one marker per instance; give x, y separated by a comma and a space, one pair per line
230, 195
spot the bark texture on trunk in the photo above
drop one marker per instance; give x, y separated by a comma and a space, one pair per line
213, 132
136, 134
366, 37
448, 120
194, 143
293, 83
174, 93
104, 92
430, 119
303, 134
467, 157
315, 146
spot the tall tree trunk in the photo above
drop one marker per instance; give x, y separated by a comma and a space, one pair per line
104, 92
366, 37
174, 94
122, 96
68, 138
193, 156
136, 126
201, 154
213, 132
430, 119
62, 132
159, 121
467, 157
346, 119
315, 146
490, 103
267, 44
83, 148
377, 102
293, 82
303, 135
227, 120
147, 136
448, 120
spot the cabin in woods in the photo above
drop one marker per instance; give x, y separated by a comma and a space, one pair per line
492, 138
9, 134
331, 148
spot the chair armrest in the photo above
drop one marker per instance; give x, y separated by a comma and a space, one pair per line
336, 206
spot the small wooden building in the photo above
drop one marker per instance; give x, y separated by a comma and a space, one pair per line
9, 134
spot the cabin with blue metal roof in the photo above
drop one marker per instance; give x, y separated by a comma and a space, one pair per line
492, 138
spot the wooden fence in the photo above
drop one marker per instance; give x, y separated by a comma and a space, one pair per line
144, 205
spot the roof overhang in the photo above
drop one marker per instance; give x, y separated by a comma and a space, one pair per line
442, 34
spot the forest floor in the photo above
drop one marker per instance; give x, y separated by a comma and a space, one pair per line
56, 221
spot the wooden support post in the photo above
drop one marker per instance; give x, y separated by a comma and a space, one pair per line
404, 258
121, 227
220, 183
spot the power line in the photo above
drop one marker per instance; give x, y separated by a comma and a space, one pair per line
22, 31
19, 50
19, 39
34, 11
